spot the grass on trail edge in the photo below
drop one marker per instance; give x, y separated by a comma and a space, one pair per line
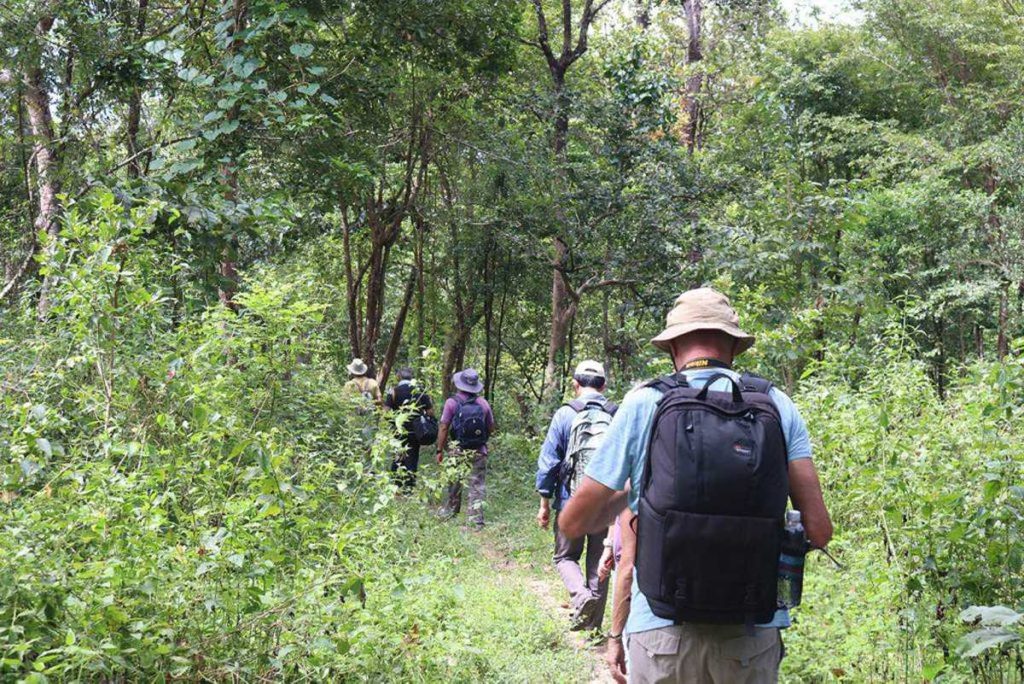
501, 618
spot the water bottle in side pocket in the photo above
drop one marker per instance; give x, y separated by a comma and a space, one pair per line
791, 561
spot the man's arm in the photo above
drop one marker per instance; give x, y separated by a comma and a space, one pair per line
623, 598
805, 492
442, 440
552, 451
591, 508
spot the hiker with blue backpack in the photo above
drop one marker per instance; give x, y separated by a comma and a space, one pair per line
710, 457
575, 433
468, 420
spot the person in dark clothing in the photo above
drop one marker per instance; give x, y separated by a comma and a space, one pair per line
403, 394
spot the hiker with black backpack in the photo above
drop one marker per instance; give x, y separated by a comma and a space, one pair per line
575, 433
419, 428
468, 420
711, 457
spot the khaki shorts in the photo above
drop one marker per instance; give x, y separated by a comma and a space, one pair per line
704, 654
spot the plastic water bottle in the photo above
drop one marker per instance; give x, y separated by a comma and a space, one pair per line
791, 561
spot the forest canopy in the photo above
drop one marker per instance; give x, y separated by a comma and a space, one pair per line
208, 208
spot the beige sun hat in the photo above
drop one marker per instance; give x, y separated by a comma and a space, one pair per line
702, 309
357, 367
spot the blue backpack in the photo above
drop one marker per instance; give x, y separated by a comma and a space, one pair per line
469, 424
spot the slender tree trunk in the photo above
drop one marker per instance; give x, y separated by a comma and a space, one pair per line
559, 59
560, 300
228, 269
351, 288
493, 379
562, 311
694, 11
135, 104
488, 315
375, 293
1002, 337
396, 335
421, 293
44, 151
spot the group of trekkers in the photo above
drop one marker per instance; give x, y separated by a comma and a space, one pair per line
466, 420
681, 492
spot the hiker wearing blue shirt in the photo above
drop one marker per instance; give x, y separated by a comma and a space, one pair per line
574, 434
703, 336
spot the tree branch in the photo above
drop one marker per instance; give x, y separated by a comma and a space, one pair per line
542, 33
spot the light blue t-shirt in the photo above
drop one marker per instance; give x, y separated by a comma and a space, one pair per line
623, 453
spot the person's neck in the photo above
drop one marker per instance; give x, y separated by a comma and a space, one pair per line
696, 352
586, 390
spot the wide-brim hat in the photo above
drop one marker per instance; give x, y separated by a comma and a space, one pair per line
702, 309
357, 367
468, 380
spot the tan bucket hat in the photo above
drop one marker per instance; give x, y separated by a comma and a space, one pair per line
702, 309
357, 367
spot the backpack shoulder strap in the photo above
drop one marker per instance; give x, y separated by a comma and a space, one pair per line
755, 383
610, 407
577, 405
668, 382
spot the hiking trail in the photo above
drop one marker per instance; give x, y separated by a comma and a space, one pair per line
509, 569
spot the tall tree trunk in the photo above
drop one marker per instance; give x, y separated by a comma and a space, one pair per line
135, 104
375, 292
562, 311
1002, 337
488, 314
694, 10
351, 288
559, 59
384, 217
44, 150
396, 335
692, 132
421, 292
493, 377
228, 269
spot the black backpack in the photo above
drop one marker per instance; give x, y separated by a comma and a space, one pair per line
424, 429
421, 428
711, 509
469, 424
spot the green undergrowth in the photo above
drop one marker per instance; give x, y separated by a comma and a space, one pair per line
492, 624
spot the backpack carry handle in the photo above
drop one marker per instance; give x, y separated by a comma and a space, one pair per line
737, 393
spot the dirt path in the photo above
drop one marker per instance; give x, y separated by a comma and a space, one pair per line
546, 595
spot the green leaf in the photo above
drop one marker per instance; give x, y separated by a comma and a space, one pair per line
991, 616
301, 50
974, 644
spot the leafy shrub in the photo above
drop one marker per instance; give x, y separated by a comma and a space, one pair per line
927, 506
